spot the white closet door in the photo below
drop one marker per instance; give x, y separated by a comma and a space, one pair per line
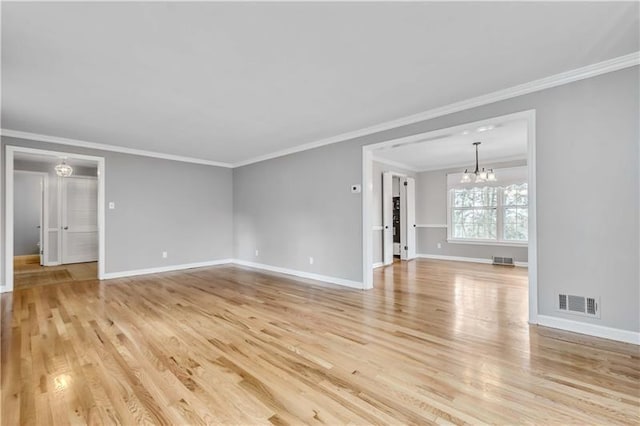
79, 219
387, 218
410, 212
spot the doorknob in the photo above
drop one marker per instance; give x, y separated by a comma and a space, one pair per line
65, 228
386, 227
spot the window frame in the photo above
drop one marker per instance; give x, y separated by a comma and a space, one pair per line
500, 207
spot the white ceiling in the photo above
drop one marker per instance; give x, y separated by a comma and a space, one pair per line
506, 141
231, 81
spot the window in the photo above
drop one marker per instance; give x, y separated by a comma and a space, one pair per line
516, 213
490, 214
475, 213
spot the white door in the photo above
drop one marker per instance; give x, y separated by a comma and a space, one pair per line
41, 227
408, 219
387, 218
79, 219
410, 214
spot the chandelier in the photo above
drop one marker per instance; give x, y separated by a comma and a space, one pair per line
63, 169
480, 176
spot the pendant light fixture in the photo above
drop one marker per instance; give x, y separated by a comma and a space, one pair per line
480, 176
63, 169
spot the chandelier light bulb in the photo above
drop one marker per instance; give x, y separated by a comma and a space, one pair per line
466, 177
63, 169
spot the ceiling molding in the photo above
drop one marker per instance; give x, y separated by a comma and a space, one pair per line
104, 147
395, 164
611, 65
566, 77
470, 165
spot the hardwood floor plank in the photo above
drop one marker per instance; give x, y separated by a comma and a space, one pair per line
435, 342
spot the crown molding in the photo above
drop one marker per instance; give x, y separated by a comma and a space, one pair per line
593, 70
489, 163
111, 148
611, 65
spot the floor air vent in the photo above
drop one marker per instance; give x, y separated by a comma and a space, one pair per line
580, 305
503, 261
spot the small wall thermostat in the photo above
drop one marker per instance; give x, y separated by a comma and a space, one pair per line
356, 188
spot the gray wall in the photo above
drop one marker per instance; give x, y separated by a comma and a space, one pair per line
301, 205
161, 205
588, 227
431, 209
27, 204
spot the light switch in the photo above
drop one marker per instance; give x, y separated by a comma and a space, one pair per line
112, 205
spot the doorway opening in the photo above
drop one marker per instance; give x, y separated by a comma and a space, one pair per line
398, 217
462, 211
54, 218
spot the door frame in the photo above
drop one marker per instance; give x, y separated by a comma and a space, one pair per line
10, 151
367, 195
44, 213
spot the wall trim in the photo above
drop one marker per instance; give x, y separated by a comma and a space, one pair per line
595, 330
466, 259
301, 274
489, 164
156, 270
105, 147
378, 265
582, 73
488, 243
378, 227
432, 225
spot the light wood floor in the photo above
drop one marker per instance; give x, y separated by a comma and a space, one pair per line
32, 275
434, 342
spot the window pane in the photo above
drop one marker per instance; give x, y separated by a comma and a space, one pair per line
474, 213
462, 198
516, 223
516, 195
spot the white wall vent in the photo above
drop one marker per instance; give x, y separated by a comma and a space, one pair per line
497, 260
579, 305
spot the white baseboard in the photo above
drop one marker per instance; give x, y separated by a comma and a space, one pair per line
136, 272
465, 259
378, 265
301, 274
590, 329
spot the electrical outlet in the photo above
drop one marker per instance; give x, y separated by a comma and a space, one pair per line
257, 252
112, 205
164, 254
310, 260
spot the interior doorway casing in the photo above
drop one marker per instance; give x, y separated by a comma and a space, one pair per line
367, 196
10, 151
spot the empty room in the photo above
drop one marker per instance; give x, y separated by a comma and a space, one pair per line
248, 213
